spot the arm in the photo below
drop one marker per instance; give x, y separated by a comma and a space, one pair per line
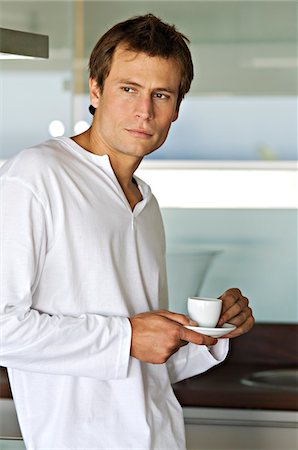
159, 334
30, 339
193, 360
157, 337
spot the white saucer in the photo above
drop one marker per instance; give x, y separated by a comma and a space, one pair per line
214, 332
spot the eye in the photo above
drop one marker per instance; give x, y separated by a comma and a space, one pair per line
127, 89
161, 96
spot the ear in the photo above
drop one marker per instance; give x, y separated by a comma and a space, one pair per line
176, 114
94, 92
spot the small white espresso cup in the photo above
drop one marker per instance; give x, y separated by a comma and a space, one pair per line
205, 311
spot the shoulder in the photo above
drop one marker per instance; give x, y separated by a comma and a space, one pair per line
37, 169
41, 164
34, 160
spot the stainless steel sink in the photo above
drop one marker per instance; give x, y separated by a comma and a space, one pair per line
280, 379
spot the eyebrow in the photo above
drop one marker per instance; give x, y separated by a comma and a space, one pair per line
133, 83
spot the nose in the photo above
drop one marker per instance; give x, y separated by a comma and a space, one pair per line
144, 108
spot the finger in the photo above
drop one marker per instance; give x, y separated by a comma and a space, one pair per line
196, 338
227, 302
179, 318
243, 328
230, 297
241, 318
237, 319
234, 311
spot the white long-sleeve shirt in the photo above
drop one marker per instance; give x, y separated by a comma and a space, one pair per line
76, 262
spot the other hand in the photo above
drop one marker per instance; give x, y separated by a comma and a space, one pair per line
236, 310
159, 334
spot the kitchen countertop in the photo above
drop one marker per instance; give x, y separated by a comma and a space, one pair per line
221, 387
265, 347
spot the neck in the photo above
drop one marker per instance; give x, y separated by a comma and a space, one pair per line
123, 165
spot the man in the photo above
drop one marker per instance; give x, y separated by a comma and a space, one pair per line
90, 356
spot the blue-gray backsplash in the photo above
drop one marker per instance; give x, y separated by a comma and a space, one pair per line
257, 252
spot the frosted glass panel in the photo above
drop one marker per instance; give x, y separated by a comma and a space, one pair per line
36, 92
234, 128
44, 99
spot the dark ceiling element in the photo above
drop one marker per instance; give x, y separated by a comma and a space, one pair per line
23, 44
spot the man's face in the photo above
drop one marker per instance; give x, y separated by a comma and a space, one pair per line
138, 103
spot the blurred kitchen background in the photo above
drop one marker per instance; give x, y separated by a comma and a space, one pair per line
226, 179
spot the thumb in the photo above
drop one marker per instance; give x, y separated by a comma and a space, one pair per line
175, 317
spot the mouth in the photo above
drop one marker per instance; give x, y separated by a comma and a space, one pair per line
139, 133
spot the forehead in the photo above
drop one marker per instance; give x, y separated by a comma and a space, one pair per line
130, 62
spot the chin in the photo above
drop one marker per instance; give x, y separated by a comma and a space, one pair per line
153, 150
138, 153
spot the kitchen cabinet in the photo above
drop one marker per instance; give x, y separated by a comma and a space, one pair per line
234, 429
9, 426
227, 429
11, 444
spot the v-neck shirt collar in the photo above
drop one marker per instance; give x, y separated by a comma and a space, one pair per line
103, 161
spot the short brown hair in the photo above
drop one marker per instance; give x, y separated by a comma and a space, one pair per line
146, 34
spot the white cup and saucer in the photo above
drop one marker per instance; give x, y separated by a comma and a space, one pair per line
206, 312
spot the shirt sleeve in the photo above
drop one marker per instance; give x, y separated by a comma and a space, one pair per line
192, 360
89, 345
